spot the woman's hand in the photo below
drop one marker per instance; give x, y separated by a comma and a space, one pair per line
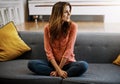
62, 73
59, 72
53, 73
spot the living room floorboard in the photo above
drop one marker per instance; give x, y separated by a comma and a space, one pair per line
82, 26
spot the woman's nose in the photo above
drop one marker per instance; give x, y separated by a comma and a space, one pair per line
68, 13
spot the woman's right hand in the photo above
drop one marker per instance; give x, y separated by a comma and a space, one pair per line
62, 73
59, 72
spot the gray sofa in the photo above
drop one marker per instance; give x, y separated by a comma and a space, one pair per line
98, 49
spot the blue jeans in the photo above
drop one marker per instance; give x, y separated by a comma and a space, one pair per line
43, 67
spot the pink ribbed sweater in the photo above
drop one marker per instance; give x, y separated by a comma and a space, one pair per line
63, 47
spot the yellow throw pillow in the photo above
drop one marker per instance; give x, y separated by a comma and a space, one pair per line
117, 60
11, 45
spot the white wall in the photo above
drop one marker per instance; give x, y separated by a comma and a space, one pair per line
112, 13
108, 8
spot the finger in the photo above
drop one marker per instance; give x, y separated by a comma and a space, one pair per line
54, 74
51, 73
65, 75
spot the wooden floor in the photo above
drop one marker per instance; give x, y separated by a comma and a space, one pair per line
82, 26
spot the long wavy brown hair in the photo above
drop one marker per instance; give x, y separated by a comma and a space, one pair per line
58, 28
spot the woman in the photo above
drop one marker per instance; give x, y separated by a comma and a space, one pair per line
59, 39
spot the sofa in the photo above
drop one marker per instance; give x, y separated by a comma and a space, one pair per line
98, 49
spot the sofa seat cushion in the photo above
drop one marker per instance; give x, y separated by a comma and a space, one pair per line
97, 74
16, 72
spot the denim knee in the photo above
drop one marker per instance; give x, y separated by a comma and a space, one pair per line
83, 65
31, 64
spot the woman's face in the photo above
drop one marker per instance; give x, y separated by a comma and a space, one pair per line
66, 14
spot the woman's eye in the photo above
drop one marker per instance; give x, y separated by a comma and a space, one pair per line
65, 12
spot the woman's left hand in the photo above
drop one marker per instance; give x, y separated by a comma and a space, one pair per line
53, 73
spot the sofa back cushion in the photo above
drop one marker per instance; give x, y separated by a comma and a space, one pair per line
97, 47
35, 41
91, 47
